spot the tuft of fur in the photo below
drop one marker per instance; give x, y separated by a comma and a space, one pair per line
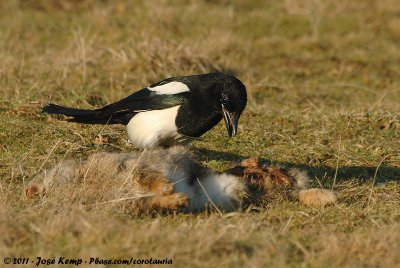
311, 196
316, 197
301, 178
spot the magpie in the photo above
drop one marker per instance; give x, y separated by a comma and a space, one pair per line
173, 111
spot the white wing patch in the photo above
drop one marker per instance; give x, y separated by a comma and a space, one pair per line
170, 88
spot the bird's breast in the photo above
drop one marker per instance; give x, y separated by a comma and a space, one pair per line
194, 122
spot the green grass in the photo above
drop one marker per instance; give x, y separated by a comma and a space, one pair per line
324, 95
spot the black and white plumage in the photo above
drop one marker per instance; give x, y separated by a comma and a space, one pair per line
174, 110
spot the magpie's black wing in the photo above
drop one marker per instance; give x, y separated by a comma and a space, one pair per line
162, 95
144, 100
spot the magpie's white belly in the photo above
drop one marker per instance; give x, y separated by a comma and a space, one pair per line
155, 128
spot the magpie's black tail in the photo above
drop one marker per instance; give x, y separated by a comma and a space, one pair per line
97, 116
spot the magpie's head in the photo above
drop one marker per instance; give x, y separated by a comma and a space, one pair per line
232, 102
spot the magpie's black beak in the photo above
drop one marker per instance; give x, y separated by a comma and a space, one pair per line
231, 122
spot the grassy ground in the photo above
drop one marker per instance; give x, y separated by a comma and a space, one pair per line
324, 95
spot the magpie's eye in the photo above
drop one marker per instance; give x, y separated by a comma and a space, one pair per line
224, 99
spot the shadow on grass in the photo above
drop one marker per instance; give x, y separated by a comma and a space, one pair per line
360, 173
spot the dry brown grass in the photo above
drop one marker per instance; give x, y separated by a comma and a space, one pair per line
323, 83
